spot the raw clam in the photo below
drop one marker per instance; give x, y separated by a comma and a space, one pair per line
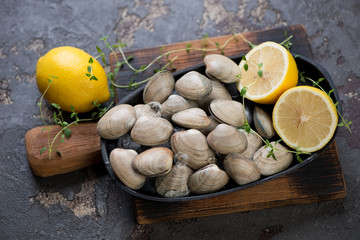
193, 144
263, 123
150, 109
241, 169
175, 183
121, 162
254, 143
159, 87
191, 118
116, 122
221, 68
175, 103
211, 127
268, 165
218, 92
227, 139
154, 161
193, 86
208, 179
228, 111
151, 131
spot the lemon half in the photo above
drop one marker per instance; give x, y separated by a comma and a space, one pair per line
305, 117
279, 73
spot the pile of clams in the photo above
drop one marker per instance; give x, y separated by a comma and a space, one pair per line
184, 139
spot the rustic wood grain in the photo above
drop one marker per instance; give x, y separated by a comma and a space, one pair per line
318, 181
81, 150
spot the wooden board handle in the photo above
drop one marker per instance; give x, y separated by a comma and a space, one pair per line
81, 150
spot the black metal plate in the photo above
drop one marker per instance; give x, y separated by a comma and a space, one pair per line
309, 67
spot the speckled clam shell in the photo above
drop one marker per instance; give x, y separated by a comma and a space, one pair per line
116, 122
193, 86
208, 179
218, 92
192, 143
241, 169
121, 163
159, 87
149, 109
221, 68
154, 162
268, 165
254, 143
151, 131
175, 103
228, 111
174, 183
227, 139
192, 118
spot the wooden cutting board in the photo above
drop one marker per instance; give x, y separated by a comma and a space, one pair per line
320, 180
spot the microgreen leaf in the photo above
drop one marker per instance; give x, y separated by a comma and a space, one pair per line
259, 73
188, 46
246, 66
91, 60
43, 150
243, 91
98, 49
93, 78
67, 132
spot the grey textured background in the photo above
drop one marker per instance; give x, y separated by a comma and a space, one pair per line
86, 204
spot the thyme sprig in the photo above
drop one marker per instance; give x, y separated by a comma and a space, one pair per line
65, 131
344, 122
272, 147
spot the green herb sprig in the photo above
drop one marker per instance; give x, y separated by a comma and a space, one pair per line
344, 122
272, 147
65, 131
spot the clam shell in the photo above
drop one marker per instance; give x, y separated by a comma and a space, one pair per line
193, 86
121, 162
254, 143
149, 109
175, 103
218, 92
191, 118
211, 127
263, 123
192, 143
159, 87
116, 122
228, 111
241, 169
151, 131
221, 68
268, 165
227, 139
175, 183
208, 179
154, 161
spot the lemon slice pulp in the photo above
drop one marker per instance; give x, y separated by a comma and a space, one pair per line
279, 73
305, 117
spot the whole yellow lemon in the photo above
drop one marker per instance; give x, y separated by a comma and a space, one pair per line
70, 86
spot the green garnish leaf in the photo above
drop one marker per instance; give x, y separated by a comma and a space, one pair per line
91, 60
246, 66
43, 150
67, 132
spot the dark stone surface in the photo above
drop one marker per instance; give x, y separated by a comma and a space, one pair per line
86, 204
